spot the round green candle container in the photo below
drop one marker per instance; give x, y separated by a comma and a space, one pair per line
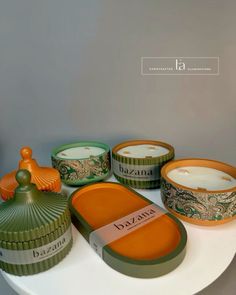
35, 229
82, 163
138, 163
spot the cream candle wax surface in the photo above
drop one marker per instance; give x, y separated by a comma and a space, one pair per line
202, 178
80, 152
143, 151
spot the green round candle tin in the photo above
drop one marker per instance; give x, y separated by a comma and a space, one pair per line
138, 163
82, 162
35, 229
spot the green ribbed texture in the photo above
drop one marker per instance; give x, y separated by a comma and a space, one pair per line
31, 215
30, 269
32, 219
159, 162
139, 184
43, 240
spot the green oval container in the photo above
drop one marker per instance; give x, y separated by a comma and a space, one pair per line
129, 232
35, 229
82, 168
139, 171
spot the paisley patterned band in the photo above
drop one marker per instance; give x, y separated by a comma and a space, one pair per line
82, 171
199, 205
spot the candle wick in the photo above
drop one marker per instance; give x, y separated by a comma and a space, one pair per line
226, 178
152, 148
184, 171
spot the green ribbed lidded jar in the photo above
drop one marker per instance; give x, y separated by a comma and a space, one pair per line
35, 229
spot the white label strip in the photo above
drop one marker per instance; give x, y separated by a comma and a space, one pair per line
37, 254
123, 226
136, 172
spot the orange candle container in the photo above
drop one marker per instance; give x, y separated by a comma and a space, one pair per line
45, 178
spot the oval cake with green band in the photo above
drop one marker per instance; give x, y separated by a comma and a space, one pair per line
138, 163
35, 229
130, 233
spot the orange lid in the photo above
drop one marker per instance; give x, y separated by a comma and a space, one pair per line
45, 178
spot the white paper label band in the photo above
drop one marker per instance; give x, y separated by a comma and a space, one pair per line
35, 255
123, 226
136, 172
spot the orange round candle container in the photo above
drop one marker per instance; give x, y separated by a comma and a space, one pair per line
200, 191
45, 178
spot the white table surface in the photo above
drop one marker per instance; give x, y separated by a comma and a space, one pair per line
209, 251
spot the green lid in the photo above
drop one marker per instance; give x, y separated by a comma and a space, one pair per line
31, 214
35, 229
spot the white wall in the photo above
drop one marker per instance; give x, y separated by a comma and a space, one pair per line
70, 70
